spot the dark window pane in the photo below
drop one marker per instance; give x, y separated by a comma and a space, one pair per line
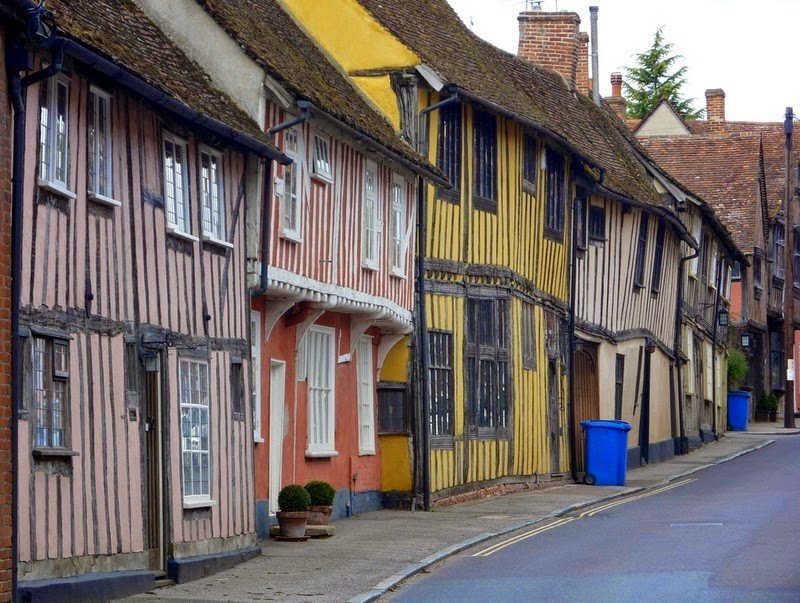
530, 166
641, 250
448, 157
658, 256
597, 223
554, 206
485, 161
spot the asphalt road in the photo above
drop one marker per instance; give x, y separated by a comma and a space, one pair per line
728, 533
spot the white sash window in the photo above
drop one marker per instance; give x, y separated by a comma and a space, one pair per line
371, 231
399, 238
366, 398
320, 374
195, 430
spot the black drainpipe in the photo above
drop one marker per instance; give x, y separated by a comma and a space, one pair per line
682, 444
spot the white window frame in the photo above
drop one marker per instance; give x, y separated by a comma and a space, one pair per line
372, 225
47, 138
366, 397
712, 282
207, 201
398, 223
98, 96
171, 206
255, 364
697, 233
184, 362
293, 196
316, 447
708, 356
321, 164
690, 368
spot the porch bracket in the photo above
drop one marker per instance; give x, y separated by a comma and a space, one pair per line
303, 327
386, 345
273, 312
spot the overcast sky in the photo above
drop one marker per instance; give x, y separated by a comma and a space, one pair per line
749, 49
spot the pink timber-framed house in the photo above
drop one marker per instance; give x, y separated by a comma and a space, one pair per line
134, 447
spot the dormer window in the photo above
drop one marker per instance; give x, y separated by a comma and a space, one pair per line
321, 162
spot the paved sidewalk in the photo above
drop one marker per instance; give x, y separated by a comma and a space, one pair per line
372, 552
777, 428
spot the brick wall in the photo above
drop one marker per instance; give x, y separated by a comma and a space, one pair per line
5, 328
554, 41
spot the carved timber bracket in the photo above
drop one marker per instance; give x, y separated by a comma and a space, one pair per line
303, 327
272, 314
359, 323
386, 345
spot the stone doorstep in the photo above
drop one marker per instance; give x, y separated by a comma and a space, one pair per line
311, 531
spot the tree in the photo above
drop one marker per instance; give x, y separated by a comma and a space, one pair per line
654, 77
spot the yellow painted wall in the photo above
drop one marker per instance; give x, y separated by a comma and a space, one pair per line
395, 365
395, 463
379, 90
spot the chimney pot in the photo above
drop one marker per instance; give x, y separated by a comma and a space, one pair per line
616, 84
715, 105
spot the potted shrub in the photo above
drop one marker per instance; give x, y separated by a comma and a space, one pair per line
322, 494
767, 408
738, 401
293, 502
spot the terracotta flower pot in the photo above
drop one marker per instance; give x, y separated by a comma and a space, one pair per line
292, 523
320, 515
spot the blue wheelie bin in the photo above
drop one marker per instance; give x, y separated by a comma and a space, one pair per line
606, 452
738, 410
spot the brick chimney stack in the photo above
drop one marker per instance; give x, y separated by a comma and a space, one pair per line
554, 41
616, 100
715, 105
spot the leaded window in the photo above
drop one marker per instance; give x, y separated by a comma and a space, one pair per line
597, 223
641, 251
778, 249
176, 189
530, 164
528, 336
195, 429
554, 200
440, 357
321, 161
658, 259
619, 384
50, 391
392, 408
484, 188
398, 227
54, 131
211, 191
448, 153
99, 153
237, 390
290, 199
371, 227
488, 355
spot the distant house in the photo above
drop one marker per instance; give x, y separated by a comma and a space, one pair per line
739, 169
134, 438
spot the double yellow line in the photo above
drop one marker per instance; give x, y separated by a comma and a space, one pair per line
565, 520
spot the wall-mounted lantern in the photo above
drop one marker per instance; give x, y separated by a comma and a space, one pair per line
747, 341
723, 317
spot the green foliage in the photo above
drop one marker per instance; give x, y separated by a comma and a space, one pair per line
294, 498
322, 493
768, 401
737, 369
654, 77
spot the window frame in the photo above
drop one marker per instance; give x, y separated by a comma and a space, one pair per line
619, 386
96, 96
366, 404
371, 230
641, 251
594, 236
51, 375
698, 236
238, 394
255, 373
449, 150
174, 226
555, 195
779, 250
47, 158
220, 235
441, 370
321, 167
484, 160
393, 387
292, 194
319, 448
530, 163
203, 498
658, 259
399, 219
758, 272
528, 336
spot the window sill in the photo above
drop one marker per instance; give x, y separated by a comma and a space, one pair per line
54, 452
321, 454
215, 241
56, 189
448, 195
199, 504
102, 199
179, 234
322, 178
257, 439
597, 242
369, 266
366, 453
291, 236
442, 441
554, 235
396, 273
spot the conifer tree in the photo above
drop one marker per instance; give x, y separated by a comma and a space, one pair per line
654, 77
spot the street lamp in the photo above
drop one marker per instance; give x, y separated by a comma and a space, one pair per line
723, 317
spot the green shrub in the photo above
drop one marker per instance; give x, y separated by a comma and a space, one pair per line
768, 401
294, 498
322, 493
737, 369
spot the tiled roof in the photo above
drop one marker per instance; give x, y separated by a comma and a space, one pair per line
122, 33
721, 163
433, 31
271, 38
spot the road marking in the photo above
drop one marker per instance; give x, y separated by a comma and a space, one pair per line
509, 541
694, 525
565, 520
623, 501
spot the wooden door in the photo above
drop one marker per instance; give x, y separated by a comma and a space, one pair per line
277, 388
587, 400
152, 425
554, 416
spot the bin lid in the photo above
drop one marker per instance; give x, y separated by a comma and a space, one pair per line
608, 424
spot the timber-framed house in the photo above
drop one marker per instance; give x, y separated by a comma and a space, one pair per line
331, 262
522, 151
134, 435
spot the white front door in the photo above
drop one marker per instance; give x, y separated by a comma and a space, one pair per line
277, 387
